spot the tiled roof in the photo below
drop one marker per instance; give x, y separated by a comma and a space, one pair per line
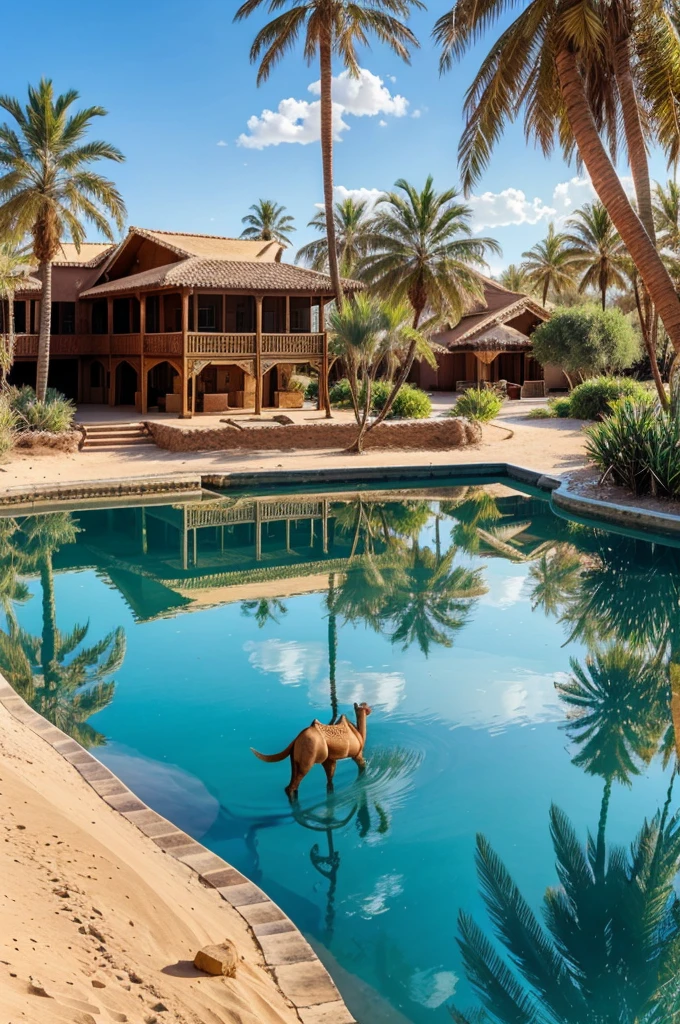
499, 305
213, 247
90, 255
28, 283
228, 274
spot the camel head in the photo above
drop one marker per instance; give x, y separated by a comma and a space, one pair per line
362, 708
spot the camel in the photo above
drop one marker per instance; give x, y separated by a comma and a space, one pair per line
325, 745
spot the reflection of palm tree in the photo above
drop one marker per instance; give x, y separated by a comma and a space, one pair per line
432, 599
64, 683
610, 947
477, 510
332, 646
264, 609
556, 578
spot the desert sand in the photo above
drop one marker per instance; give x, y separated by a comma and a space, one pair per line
96, 923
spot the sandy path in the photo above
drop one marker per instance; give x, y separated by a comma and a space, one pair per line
96, 923
552, 446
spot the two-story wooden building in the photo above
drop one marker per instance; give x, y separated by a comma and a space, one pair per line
180, 322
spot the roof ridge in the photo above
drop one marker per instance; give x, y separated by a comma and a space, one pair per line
200, 234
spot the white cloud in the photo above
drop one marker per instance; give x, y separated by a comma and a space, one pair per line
511, 206
300, 120
383, 124
431, 988
569, 195
416, 113
379, 689
370, 196
222, 143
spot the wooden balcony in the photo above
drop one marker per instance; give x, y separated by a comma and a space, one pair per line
297, 346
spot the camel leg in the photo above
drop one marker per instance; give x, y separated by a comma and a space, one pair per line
329, 768
297, 775
360, 763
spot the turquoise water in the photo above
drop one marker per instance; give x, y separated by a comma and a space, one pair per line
460, 615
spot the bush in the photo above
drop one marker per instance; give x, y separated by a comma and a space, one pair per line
541, 412
296, 385
312, 390
592, 399
410, 404
561, 407
638, 446
54, 415
340, 393
478, 404
7, 424
586, 340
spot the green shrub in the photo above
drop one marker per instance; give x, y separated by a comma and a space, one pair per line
55, 414
561, 407
312, 390
593, 398
621, 446
296, 385
380, 392
340, 393
586, 340
541, 412
410, 404
7, 424
478, 404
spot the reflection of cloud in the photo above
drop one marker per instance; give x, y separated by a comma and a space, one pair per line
497, 703
503, 593
386, 888
386, 689
432, 988
292, 661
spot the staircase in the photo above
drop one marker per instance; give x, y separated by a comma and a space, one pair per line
109, 436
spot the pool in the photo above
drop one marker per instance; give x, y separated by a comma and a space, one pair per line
520, 669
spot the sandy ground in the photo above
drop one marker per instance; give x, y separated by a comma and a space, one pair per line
96, 923
553, 446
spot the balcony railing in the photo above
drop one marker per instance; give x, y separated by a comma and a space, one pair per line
244, 344
292, 344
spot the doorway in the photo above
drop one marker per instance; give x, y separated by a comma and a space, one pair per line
126, 384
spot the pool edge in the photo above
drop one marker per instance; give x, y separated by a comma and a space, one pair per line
292, 963
186, 486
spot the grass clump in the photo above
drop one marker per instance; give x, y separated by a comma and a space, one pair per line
593, 398
55, 415
7, 424
478, 404
638, 447
561, 407
410, 403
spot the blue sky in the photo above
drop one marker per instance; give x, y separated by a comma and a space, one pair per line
178, 85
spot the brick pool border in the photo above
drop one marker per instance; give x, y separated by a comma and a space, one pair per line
294, 966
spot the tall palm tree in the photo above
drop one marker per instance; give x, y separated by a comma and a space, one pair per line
423, 251
666, 207
352, 238
268, 221
596, 250
609, 946
548, 265
48, 189
330, 28
579, 72
14, 261
514, 278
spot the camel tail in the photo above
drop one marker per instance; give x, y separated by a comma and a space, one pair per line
274, 757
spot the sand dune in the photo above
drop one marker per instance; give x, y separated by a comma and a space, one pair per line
96, 923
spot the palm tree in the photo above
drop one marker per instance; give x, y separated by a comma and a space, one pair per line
548, 265
330, 27
14, 261
268, 221
48, 189
609, 947
514, 278
423, 252
352, 238
596, 250
666, 208
556, 578
577, 72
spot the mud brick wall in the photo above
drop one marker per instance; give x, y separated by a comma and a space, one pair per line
424, 435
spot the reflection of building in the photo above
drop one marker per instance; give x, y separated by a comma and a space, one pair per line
164, 558
175, 321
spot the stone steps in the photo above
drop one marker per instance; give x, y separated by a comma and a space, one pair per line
109, 436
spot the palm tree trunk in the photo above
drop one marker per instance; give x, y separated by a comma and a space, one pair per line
601, 830
45, 330
545, 292
401, 379
358, 446
649, 338
608, 186
327, 160
635, 141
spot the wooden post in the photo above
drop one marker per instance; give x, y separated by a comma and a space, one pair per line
109, 327
258, 532
161, 313
323, 401
224, 313
185, 414
142, 336
288, 536
258, 355
195, 552
195, 331
325, 526
287, 314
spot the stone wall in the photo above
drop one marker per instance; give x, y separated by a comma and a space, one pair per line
425, 435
